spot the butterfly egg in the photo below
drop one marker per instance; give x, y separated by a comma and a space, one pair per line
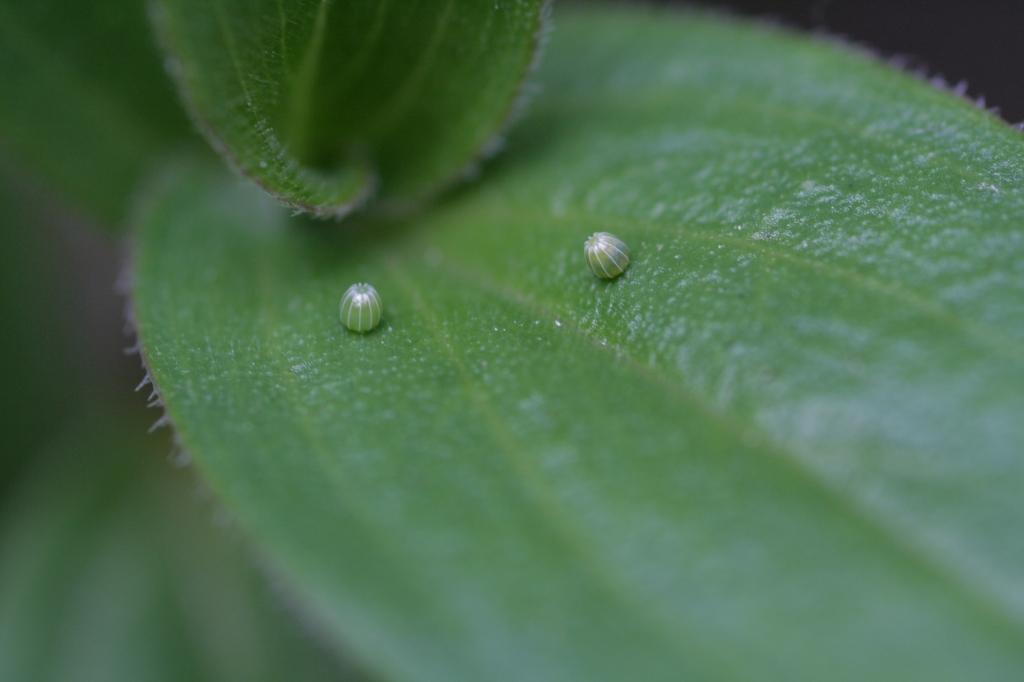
361, 308
607, 255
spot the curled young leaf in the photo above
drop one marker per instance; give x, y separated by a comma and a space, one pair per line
324, 103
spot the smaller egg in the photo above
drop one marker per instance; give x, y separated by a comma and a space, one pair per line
607, 255
361, 308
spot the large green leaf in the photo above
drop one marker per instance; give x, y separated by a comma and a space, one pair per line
112, 570
787, 444
323, 103
86, 106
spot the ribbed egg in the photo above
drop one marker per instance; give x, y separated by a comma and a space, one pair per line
361, 308
607, 255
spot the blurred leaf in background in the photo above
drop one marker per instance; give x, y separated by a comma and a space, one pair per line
35, 345
87, 104
112, 570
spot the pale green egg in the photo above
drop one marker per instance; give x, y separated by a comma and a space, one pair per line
361, 308
607, 255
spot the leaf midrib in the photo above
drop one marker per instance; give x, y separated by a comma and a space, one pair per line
301, 98
537, 492
405, 92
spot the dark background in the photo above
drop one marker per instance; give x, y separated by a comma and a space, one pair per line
980, 42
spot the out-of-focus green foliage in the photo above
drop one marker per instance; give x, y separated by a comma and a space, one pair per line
35, 367
86, 104
112, 571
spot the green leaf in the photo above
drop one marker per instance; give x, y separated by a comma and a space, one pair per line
786, 444
114, 571
86, 104
323, 103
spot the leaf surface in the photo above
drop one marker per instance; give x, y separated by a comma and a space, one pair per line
325, 103
786, 444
